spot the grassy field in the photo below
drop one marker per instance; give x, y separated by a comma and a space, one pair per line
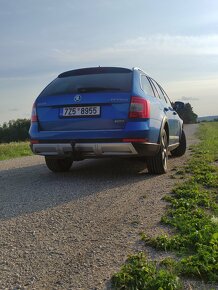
14, 149
193, 216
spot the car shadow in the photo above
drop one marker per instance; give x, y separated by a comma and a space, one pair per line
34, 188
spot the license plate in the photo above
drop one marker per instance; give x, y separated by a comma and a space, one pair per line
81, 111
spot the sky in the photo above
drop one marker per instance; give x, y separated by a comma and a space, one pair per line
174, 41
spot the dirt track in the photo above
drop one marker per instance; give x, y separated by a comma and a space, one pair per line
74, 230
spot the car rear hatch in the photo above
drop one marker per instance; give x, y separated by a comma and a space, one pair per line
86, 99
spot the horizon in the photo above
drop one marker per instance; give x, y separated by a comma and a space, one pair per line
176, 43
204, 116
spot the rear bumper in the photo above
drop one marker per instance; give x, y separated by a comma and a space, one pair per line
88, 150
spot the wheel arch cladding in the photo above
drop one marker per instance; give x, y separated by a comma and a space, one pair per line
164, 126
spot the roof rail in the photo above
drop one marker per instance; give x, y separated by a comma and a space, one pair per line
137, 68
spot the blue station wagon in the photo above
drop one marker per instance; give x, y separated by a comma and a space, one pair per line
105, 112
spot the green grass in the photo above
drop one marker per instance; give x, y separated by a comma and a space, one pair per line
140, 274
193, 214
14, 149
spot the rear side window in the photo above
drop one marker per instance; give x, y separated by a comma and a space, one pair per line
166, 96
91, 82
154, 88
146, 86
160, 93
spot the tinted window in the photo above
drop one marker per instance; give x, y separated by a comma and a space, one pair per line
154, 88
93, 82
166, 96
146, 86
160, 92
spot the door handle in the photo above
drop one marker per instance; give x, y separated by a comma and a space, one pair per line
174, 113
166, 109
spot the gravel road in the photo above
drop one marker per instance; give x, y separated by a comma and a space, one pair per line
74, 230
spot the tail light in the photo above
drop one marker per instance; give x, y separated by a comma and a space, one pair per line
34, 117
139, 108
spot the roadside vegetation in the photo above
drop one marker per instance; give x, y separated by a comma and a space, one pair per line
14, 149
193, 216
13, 139
14, 131
187, 114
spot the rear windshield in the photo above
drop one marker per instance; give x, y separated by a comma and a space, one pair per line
95, 82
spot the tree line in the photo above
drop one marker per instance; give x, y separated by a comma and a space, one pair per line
14, 131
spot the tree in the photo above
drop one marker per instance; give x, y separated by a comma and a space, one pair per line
14, 130
187, 114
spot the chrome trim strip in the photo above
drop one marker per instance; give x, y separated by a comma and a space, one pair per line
173, 146
174, 137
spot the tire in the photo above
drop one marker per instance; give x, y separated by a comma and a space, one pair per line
180, 150
158, 163
58, 165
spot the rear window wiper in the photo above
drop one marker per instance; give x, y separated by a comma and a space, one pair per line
96, 89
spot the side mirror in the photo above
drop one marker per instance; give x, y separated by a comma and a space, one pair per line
178, 106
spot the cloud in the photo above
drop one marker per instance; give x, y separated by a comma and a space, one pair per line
13, 110
144, 46
176, 44
158, 54
189, 99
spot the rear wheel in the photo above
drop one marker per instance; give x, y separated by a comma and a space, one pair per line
158, 163
180, 150
58, 165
